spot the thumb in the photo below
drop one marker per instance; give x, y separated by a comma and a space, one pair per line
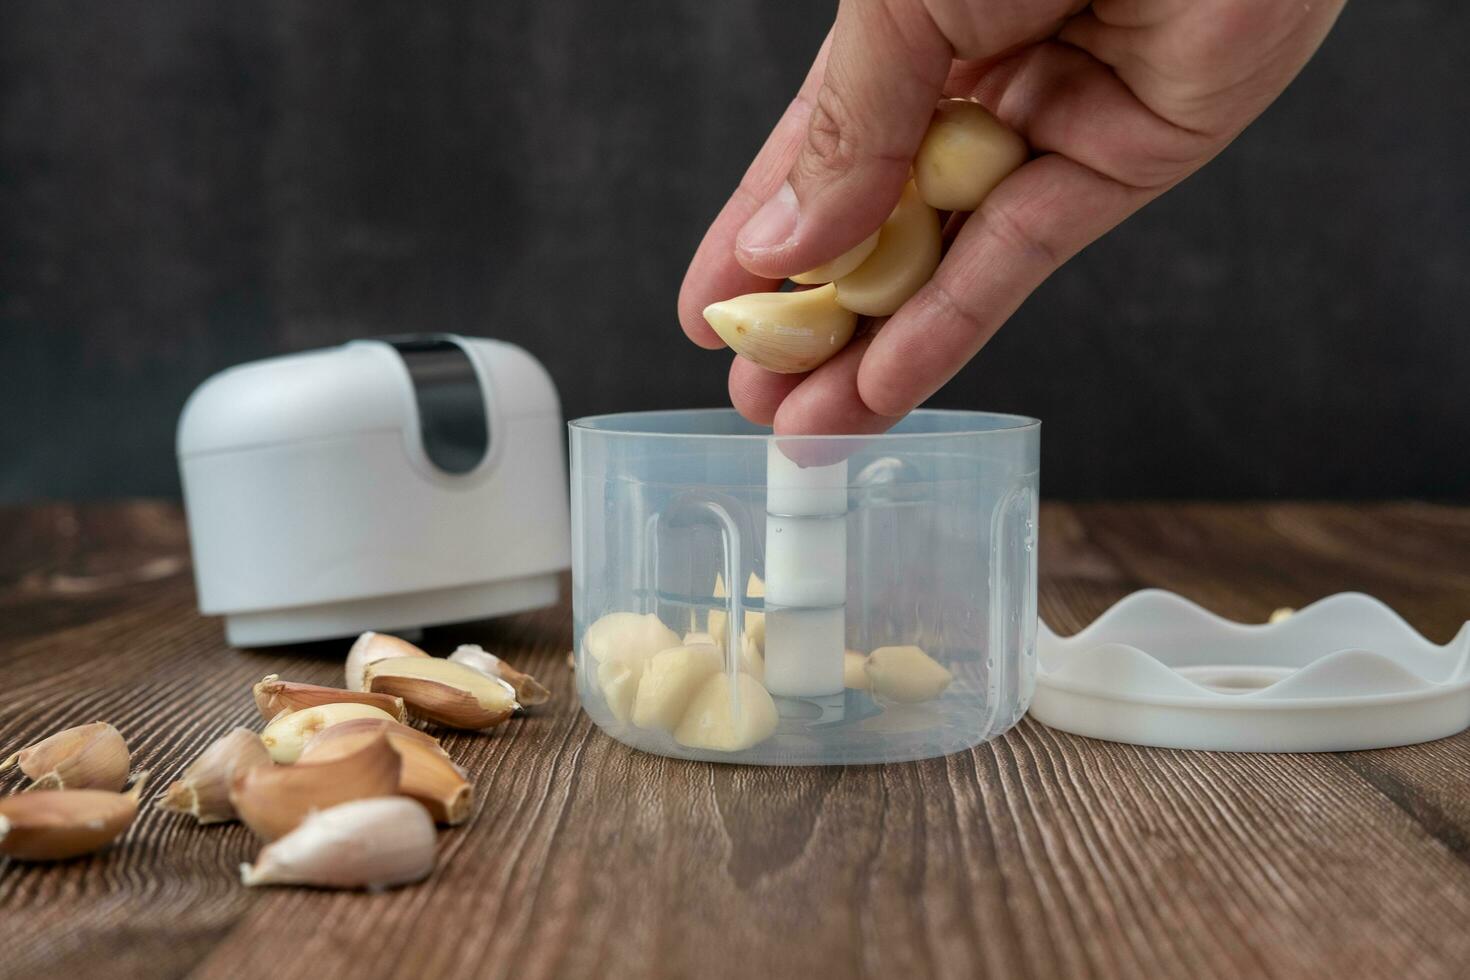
885, 72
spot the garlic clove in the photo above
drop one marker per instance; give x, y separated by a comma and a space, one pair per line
627, 636
427, 774
288, 732
375, 843
369, 649
273, 800
1281, 615
204, 789
755, 622
839, 266
906, 256
377, 725
965, 153
56, 824
670, 680
529, 691
854, 670
619, 682
447, 692
697, 639
905, 675
726, 717
273, 695
91, 756
789, 333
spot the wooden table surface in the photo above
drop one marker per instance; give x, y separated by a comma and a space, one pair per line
1037, 855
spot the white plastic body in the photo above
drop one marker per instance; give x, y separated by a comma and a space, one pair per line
1345, 673
314, 511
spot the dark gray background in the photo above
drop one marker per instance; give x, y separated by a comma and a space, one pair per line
187, 186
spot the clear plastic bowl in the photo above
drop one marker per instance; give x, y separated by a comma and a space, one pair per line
889, 602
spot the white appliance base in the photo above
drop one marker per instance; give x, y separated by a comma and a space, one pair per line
394, 613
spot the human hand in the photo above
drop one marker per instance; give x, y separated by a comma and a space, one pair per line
1119, 100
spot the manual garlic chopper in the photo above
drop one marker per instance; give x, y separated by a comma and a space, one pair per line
749, 598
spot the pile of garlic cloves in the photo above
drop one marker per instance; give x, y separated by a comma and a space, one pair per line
340, 786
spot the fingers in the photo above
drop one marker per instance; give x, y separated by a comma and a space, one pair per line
714, 274
886, 69
827, 400
756, 393
1037, 218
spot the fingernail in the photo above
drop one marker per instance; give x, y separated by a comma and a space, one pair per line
773, 225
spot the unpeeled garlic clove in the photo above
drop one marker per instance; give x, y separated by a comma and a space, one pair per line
376, 843
529, 691
91, 756
203, 791
906, 256
56, 824
369, 649
839, 266
965, 152
273, 695
627, 636
272, 801
288, 732
427, 774
449, 693
382, 726
725, 718
788, 333
670, 680
905, 675
854, 670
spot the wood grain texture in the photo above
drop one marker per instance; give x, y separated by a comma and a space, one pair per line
1037, 855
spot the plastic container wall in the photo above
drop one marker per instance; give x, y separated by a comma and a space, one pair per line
884, 606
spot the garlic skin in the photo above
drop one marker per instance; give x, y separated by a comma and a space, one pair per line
357, 726
529, 691
274, 801
273, 695
788, 333
670, 680
905, 675
91, 756
288, 732
965, 153
443, 691
427, 775
712, 721
906, 256
840, 266
374, 843
56, 824
371, 647
203, 791
854, 670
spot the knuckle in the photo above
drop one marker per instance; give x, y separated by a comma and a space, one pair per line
830, 145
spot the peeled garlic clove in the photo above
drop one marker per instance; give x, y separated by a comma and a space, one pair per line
906, 256
965, 153
204, 789
427, 774
56, 824
449, 693
374, 844
529, 691
369, 649
1282, 614
752, 661
905, 675
273, 695
789, 333
273, 801
726, 718
619, 682
854, 670
695, 639
627, 636
839, 266
670, 680
287, 733
91, 756
755, 622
